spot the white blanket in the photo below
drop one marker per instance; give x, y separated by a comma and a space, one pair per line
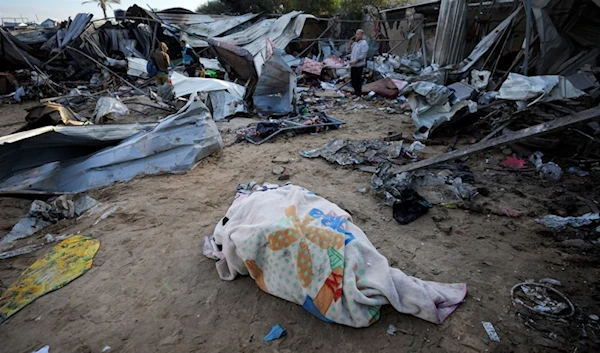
302, 248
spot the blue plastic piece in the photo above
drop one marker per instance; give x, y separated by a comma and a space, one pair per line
276, 333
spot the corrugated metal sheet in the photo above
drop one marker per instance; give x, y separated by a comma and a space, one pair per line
450, 33
413, 4
224, 104
281, 33
185, 18
276, 30
79, 24
216, 28
274, 92
250, 34
175, 145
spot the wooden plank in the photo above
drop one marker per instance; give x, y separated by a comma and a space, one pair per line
535, 130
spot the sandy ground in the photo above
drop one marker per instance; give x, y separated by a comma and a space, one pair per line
151, 289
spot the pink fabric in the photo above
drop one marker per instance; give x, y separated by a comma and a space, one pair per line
312, 67
334, 62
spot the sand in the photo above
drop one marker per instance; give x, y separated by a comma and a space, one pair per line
151, 289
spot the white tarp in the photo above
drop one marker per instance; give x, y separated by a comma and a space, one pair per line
175, 145
184, 85
541, 88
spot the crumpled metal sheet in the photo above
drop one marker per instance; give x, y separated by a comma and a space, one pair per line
29, 149
224, 104
78, 25
175, 145
274, 92
250, 34
541, 88
184, 85
217, 27
431, 107
349, 152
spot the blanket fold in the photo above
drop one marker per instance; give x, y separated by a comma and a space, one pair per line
302, 248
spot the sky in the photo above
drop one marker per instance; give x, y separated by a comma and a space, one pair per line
62, 9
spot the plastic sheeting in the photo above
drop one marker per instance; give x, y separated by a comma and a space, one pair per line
274, 92
184, 85
541, 88
175, 145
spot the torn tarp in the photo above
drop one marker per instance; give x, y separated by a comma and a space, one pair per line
175, 145
540, 88
274, 92
184, 85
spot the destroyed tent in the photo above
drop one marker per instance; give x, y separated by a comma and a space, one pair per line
174, 145
14, 54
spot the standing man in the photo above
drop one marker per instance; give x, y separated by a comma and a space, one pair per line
358, 60
162, 62
190, 59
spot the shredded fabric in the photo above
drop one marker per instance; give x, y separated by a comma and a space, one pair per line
65, 262
302, 248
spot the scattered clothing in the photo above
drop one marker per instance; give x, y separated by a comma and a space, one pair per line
65, 262
411, 207
302, 248
514, 163
276, 333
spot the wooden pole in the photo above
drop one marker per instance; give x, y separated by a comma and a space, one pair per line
109, 70
542, 128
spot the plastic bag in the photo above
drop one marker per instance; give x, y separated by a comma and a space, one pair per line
109, 106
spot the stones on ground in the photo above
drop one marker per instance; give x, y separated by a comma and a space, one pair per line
278, 170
